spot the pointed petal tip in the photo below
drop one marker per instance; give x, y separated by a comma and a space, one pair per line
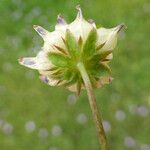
61, 20
44, 79
120, 27
40, 30
79, 15
21, 61
35, 26
78, 7
28, 62
111, 79
59, 16
92, 22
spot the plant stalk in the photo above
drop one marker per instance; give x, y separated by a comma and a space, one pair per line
92, 100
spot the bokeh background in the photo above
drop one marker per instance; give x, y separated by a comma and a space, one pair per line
35, 116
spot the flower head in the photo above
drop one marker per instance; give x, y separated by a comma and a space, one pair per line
69, 44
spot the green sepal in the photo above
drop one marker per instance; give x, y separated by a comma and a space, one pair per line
104, 54
72, 80
99, 70
58, 60
71, 43
80, 42
100, 46
79, 86
89, 47
99, 56
57, 74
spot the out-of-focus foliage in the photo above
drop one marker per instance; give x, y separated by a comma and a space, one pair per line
38, 117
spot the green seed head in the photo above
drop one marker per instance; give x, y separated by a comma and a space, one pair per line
69, 45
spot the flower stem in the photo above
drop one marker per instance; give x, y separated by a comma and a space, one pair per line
92, 100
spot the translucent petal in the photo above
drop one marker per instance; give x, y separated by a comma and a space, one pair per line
51, 38
80, 27
73, 88
109, 37
61, 24
104, 80
40, 62
49, 81
54, 39
41, 31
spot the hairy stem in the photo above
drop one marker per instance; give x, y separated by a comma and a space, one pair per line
92, 100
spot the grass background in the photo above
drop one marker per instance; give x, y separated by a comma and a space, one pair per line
26, 101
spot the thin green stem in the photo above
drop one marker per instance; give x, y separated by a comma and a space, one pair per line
92, 100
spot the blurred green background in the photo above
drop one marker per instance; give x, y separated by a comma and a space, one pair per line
35, 116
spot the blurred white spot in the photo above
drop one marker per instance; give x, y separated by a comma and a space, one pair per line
1, 50
29, 74
145, 147
56, 130
146, 7
7, 67
107, 126
53, 148
82, 118
35, 41
120, 115
2, 89
7, 128
16, 15
1, 123
115, 97
132, 108
17, 2
36, 11
129, 142
45, 21
26, 32
43, 133
15, 41
72, 99
30, 126
142, 111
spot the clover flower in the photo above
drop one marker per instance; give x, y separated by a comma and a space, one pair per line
69, 44
77, 56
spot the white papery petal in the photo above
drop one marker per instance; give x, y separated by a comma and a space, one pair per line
40, 62
52, 38
61, 24
73, 87
109, 37
48, 80
41, 31
55, 38
80, 27
104, 80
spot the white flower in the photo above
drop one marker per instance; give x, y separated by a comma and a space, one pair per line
67, 44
